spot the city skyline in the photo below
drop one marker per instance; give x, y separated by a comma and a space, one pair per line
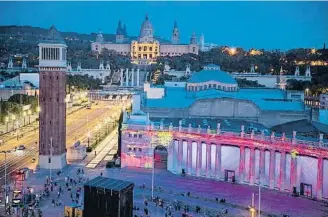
268, 25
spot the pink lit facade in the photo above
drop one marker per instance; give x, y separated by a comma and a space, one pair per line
275, 163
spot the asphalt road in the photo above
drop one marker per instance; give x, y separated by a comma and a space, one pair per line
78, 125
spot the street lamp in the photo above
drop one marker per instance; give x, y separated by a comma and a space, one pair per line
89, 135
13, 117
24, 115
6, 121
29, 112
17, 129
6, 195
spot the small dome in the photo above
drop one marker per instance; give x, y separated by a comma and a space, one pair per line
146, 29
211, 73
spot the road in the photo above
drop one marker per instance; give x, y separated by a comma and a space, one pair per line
78, 125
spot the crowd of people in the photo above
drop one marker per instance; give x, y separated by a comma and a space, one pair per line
176, 208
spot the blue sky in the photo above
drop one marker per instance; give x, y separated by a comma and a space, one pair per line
269, 25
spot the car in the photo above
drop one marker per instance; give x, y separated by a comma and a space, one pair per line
21, 147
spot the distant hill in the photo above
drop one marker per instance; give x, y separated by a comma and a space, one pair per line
42, 32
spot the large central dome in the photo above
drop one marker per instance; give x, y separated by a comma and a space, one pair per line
146, 31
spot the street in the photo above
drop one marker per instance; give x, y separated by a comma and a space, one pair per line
78, 125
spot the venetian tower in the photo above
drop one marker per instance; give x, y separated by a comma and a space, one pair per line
52, 133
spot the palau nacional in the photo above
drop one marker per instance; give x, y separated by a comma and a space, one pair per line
210, 127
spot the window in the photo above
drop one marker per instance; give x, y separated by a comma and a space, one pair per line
139, 48
193, 50
150, 49
140, 149
150, 56
214, 86
134, 149
57, 77
140, 136
135, 136
130, 135
130, 149
210, 86
145, 48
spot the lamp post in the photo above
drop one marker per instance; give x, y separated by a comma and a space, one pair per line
6, 195
153, 171
24, 115
13, 117
17, 129
29, 112
6, 121
259, 211
88, 139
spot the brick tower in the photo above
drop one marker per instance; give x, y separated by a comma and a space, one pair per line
52, 134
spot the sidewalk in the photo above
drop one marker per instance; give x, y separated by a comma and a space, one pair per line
103, 149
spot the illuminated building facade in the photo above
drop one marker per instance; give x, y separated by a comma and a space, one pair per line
275, 161
209, 127
146, 48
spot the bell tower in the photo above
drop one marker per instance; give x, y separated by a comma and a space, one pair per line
52, 133
175, 34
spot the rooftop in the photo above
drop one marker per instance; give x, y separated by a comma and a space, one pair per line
212, 75
107, 183
265, 98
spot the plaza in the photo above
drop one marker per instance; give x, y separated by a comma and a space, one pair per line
173, 188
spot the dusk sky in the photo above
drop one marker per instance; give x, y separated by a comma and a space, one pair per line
269, 25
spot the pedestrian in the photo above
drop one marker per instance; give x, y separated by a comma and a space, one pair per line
101, 174
95, 153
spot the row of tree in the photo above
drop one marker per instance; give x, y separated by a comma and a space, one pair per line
14, 105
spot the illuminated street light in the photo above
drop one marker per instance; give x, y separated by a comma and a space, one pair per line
29, 112
24, 115
6, 121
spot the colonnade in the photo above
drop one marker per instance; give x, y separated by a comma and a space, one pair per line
128, 75
274, 169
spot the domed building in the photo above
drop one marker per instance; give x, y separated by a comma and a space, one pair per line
215, 94
145, 48
210, 127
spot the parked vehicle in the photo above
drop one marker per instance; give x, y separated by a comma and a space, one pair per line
21, 147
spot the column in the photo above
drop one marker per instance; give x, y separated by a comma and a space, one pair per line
180, 156
199, 158
293, 173
127, 78
122, 81
262, 167
282, 171
272, 169
242, 165
132, 78
208, 161
252, 166
218, 161
138, 77
189, 158
320, 178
